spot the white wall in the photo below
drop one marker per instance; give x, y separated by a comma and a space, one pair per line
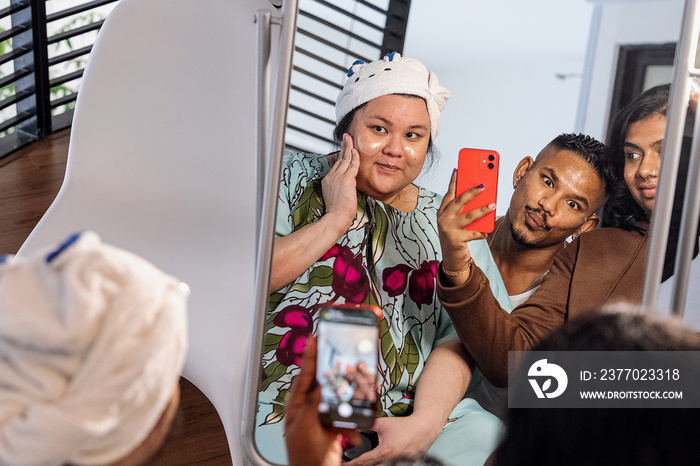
500, 59
489, 111
625, 23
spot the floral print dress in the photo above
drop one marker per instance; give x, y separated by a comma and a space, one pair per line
387, 258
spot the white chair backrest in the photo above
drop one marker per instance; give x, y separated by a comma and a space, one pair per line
162, 162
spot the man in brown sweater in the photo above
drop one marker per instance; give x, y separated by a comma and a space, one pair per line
556, 196
603, 266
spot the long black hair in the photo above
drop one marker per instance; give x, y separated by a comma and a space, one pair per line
621, 210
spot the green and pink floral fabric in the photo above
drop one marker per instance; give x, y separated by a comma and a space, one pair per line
387, 258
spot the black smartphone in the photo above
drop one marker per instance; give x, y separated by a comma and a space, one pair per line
346, 367
368, 441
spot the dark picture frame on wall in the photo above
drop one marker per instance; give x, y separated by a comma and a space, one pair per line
637, 66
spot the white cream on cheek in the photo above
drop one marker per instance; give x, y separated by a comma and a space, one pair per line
369, 144
366, 144
409, 151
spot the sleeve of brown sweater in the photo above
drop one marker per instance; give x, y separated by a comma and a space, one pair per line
489, 332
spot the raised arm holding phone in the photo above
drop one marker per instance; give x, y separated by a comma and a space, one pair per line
600, 266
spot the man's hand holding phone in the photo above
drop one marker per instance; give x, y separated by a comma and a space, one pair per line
454, 235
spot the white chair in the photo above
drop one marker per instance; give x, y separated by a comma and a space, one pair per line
162, 162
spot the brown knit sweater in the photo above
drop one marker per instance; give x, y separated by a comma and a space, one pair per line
602, 266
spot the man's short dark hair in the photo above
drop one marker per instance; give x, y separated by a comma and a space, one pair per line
588, 148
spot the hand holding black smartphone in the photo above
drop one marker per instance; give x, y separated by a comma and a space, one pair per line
346, 369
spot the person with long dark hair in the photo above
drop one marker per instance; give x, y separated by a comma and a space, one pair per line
623, 210
633, 173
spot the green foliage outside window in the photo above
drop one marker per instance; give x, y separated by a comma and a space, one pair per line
75, 64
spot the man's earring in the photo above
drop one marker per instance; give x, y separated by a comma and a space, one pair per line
515, 184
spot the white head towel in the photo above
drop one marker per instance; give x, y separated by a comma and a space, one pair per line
393, 74
92, 341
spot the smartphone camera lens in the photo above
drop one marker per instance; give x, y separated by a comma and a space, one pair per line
490, 165
491, 158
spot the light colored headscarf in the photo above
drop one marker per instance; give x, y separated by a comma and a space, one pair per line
393, 74
92, 342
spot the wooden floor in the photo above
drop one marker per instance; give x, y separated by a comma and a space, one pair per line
29, 182
197, 435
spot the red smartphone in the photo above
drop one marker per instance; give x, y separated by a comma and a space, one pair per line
475, 167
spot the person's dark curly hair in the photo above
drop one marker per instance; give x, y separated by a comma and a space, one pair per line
621, 210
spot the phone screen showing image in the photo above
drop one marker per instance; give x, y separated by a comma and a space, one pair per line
347, 367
